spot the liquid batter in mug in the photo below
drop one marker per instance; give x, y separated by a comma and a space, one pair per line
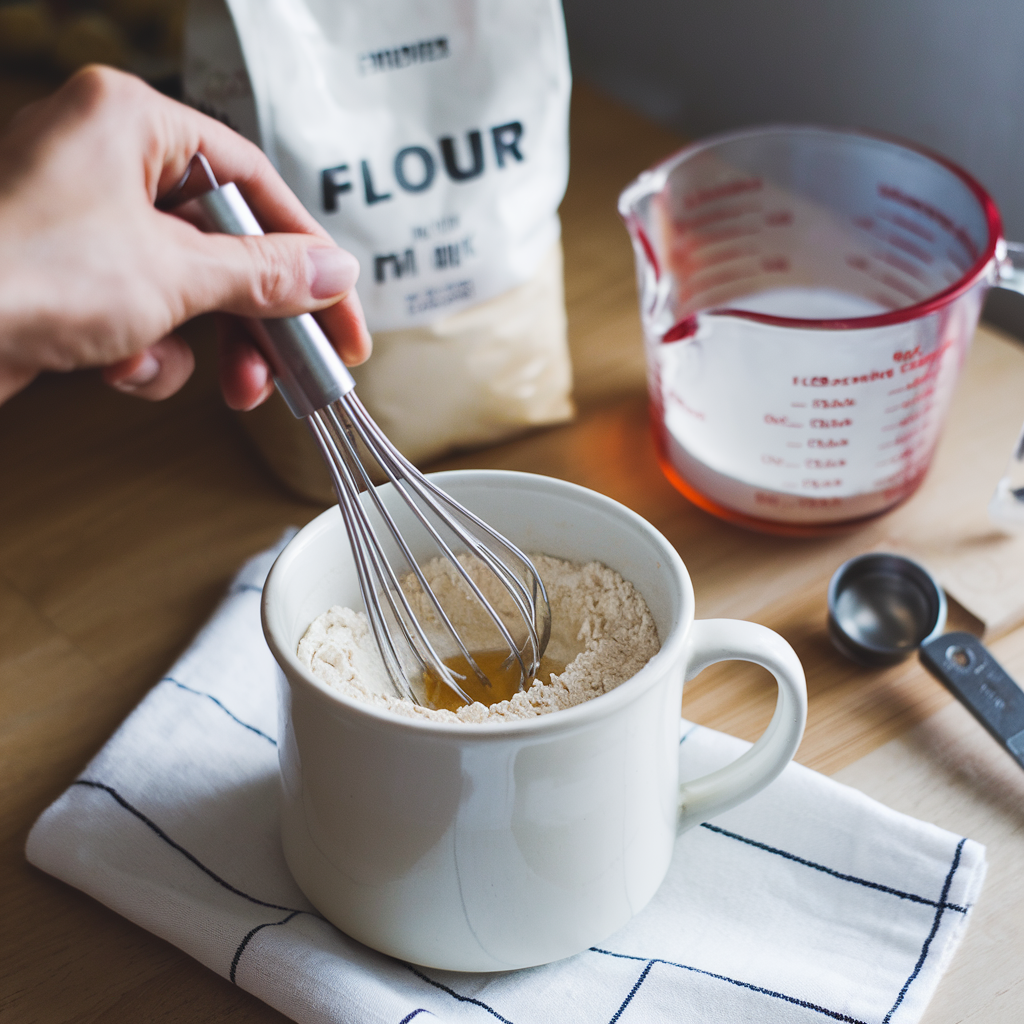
808, 297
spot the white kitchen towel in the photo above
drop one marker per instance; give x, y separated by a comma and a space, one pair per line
808, 903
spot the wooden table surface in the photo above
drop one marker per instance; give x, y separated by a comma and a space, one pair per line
121, 523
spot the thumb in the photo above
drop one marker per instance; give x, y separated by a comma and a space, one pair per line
265, 276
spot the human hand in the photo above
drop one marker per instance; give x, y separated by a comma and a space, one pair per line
91, 274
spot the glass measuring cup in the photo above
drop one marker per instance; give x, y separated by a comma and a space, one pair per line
808, 297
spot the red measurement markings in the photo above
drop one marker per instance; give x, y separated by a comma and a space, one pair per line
905, 355
933, 214
834, 403
709, 282
689, 264
929, 360
907, 246
903, 266
726, 190
832, 424
897, 241
895, 443
910, 385
903, 439
907, 420
825, 463
677, 400
904, 455
910, 402
828, 442
863, 264
805, 502
715, 236
913, 226
781, 421
710, 217
839, 382
898, 286
822, 485
703, 220
801, 405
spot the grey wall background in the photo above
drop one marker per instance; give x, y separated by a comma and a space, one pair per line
945, 73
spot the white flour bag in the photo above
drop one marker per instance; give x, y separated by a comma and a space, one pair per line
430, 137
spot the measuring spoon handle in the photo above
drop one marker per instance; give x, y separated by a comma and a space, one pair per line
962, 663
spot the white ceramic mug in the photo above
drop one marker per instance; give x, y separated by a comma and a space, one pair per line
499, 846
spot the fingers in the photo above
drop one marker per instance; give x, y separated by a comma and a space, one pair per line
345, 327
232, 159
159, 136
244, 375
281, 274
245, 378
155, 373
258, 276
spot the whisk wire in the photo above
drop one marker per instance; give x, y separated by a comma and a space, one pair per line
435, 662
371, 557
355, 526
399, 480
392, 460
395, 465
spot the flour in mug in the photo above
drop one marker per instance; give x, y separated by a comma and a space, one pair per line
601, 631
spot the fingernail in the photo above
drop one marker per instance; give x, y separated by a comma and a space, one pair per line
334, 271
143, 374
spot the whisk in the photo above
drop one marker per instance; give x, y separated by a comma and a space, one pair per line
318, 388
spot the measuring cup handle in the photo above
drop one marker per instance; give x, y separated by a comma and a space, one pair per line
1010, 269
714, 640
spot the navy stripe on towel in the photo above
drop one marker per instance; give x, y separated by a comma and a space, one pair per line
833, 1014
229, 713
155, 828
249, 935
455, 995
943, 905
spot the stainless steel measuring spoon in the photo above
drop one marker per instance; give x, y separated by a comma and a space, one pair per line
883, 607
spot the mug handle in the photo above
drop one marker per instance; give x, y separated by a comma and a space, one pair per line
714, 640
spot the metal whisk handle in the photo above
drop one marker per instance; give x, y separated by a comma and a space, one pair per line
307, 370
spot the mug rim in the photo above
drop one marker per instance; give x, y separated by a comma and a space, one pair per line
599, 707
654, 178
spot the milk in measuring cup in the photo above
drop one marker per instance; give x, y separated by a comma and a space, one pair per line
802, 424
